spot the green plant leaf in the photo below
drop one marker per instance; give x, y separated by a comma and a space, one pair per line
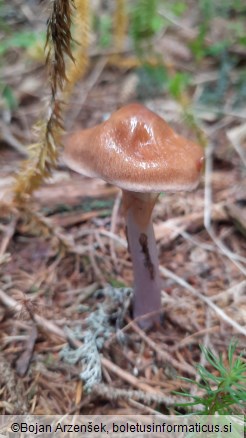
9, 97
178, 83
23, 40
229, 393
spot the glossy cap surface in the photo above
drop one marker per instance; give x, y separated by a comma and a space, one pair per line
136, 150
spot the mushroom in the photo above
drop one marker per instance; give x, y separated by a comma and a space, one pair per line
139, 152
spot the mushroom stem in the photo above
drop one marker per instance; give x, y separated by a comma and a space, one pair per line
143, 250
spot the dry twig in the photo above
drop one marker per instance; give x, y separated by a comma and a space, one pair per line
208, 209
147, 397
203, 298
163, 355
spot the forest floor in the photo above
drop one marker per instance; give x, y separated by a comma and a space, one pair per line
65, 272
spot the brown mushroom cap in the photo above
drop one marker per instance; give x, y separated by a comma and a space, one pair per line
136, 150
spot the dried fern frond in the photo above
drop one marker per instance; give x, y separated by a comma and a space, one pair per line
44, 153
59, 40
77, 69
43, 156
120, 24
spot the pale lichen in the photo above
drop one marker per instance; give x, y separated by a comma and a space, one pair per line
102, 323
